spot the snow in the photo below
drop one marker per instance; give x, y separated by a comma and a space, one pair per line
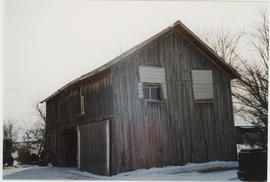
33, 150
187, 172
14, 154
246, 146
211, 171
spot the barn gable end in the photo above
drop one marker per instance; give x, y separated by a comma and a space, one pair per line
177, 129
143, 109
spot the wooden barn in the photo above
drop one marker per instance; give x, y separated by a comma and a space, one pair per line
167, 101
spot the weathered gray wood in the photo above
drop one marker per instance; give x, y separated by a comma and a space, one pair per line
146, 134
94, 142
188, 128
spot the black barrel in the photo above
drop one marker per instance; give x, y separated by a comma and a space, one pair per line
252, 165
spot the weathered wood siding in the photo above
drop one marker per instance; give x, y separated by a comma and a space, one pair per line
63, 112
178, 130
64, 108
146, 134
94, 147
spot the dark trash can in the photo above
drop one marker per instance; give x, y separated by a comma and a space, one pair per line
252, 165
7, 150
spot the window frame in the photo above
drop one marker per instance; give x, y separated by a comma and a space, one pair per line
150, 86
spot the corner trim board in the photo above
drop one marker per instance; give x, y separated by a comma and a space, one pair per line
107, 167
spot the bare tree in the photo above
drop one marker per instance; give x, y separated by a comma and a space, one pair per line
252, 88
250, 93
225, 44
9, 130
36, 133
41, 112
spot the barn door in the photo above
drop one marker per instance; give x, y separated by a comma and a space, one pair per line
70, 147
95, 147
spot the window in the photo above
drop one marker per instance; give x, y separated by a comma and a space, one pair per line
152, 83
152, 91
202, 82
82, 100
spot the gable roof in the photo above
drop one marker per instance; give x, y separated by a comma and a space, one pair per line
183, 30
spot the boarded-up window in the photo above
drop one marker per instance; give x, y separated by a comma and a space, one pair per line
202, 81
152, 75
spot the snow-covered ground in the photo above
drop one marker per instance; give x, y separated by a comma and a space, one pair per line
211, 171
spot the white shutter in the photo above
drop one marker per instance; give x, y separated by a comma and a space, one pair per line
202, 81
150, 74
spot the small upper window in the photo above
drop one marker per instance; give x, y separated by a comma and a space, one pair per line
152, 83
82, 100
152, 92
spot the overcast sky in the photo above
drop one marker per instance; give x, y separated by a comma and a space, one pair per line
49, 43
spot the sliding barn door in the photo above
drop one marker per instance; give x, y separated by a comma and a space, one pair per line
95, 147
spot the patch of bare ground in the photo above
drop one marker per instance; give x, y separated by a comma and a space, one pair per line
216, 169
